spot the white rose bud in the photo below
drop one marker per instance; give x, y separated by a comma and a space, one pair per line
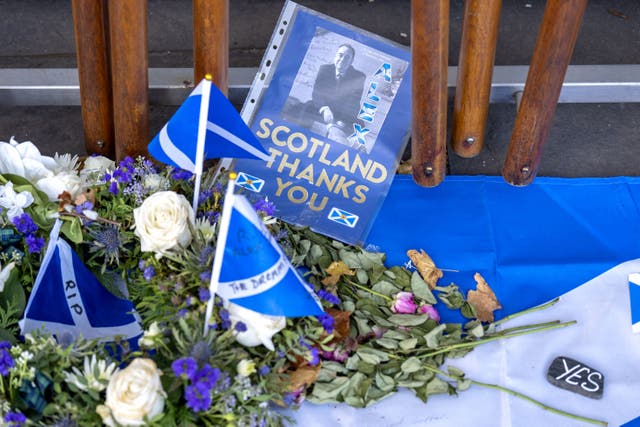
133, 394
163, 221
55, 185
260, 327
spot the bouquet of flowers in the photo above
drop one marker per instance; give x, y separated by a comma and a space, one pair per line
133, 228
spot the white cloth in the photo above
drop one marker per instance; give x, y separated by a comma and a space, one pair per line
602, 339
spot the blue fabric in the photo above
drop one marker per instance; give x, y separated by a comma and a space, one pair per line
633, 423
182, 130
252, 260
530, 243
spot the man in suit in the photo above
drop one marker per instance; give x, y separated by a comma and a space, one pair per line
337, 93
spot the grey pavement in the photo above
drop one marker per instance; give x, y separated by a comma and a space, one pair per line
585, 139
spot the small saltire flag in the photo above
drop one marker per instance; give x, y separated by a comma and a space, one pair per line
227, 134
253, 270
68, 298
343, 217
250, 182
634, 296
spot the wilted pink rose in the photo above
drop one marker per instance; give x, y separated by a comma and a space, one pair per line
430, 310
403, 303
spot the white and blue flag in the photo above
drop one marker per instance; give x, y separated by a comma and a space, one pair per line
634, 300
250, 268
68, 298
227, 134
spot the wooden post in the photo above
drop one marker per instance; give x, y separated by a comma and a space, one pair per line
211, 41
129, 70
429, 62
558, 34
92, 52
475, 67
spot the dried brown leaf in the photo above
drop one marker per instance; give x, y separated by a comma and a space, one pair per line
303, 376
483, 299
340, 323
425, 266
335, 271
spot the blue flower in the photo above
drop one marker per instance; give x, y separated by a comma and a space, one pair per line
185, 367
264, 370
204, 294
113, 188
207, 375
34, 244
181, 175
265, 206
205, 277
314, 357
6, 361
149, 272
198, 397
24, 224
328, 297
240, 327
327, 322
15, 419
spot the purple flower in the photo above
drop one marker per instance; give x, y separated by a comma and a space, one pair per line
207, 375
338, 355
24, 224
240, 327
224, 316
264, 370
34, 244
182, 312
403, 303
204, 294
148, 273
327, 322
204, 196
113, 188
15, 419
430, 310
265, 206
6, 361
181, 175
198, 397
205, 276
314, 357
185, 367
328, 297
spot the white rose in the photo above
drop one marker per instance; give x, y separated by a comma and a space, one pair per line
5, 272
260, 327
163, 222
55, 185
98, 163
133, 394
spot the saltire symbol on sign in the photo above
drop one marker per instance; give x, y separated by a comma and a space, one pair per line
250, 182
343, 217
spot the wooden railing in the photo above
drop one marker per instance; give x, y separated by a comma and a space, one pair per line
111, 42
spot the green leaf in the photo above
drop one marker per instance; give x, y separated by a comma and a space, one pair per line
437, 386
385, 288
468, 311
411, 365
329, 392
13, 292
7, 336
382, 356
384, 382
433, 338
408, 344
72, 229
408, 319
362, 276
349, 258
457, 373
421, 290
387, 343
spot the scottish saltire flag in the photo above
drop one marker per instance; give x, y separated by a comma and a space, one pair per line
68, 298
254, 272
227, 134
250, 182
343, 217
634, 301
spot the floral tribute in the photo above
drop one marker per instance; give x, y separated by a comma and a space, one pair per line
132, 225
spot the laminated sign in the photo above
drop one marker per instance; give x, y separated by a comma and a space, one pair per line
331, 104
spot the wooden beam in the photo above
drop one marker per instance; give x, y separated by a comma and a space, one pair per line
475, 67
90, 26
211, 41
129, 69
557, 37
429, 61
